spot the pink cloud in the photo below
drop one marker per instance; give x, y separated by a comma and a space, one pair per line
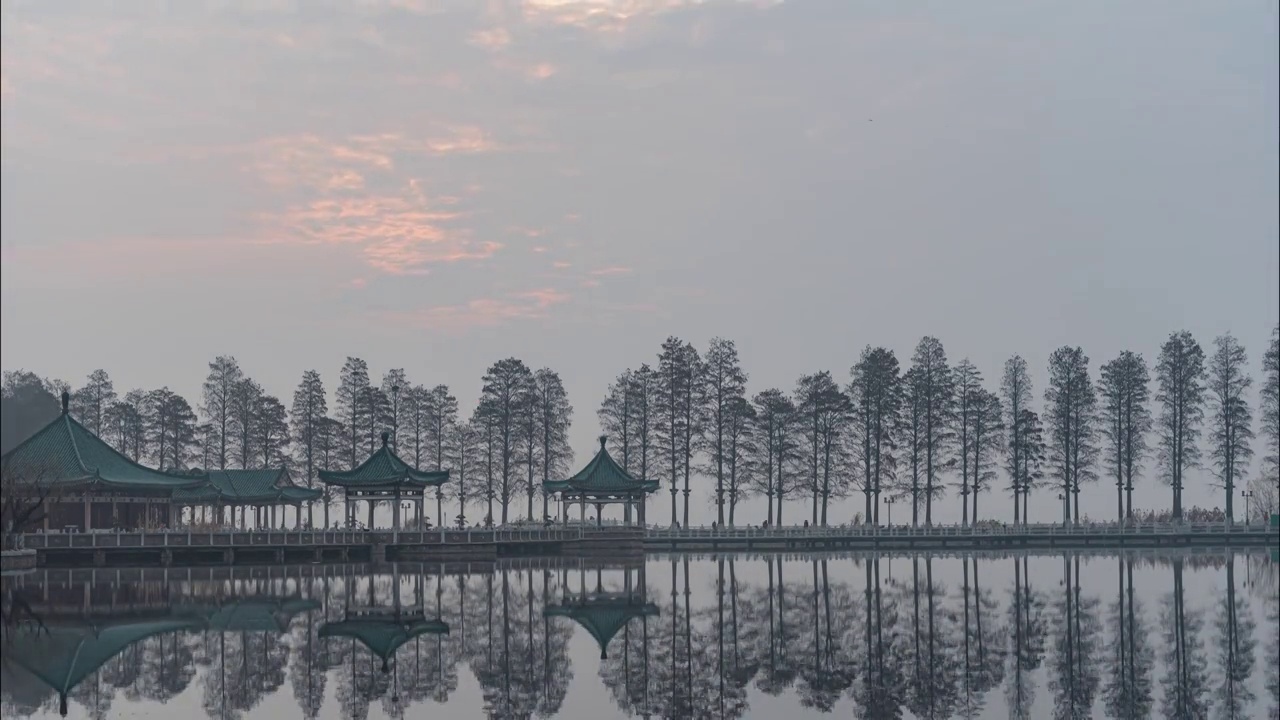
484, 312
611, 270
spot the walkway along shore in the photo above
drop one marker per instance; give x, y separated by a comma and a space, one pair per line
182, 549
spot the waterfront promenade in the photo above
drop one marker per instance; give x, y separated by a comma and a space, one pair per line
232, 547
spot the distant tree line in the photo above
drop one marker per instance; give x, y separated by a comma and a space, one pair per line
914, 435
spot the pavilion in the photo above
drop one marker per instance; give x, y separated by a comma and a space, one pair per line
601, 482
264, 490
384, 477
604, 613
62, 652
89, 485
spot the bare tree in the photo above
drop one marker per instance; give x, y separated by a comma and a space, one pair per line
1015, 386
396, 388
935, 390
331, 441
968, 384
126, 428
310, 409
441, 423
876, 396
1180, 375
1125, 420
217, 404
1071, 405
1269, 405
27, 493
352, 382
615, 415
465, 454
271, 432
555, 415
1231, 424
89, 404
775, 420
678, 388
984, 441
824, 413
375, 409
738, 445
171, 424
506, 385
724, 385
246, 398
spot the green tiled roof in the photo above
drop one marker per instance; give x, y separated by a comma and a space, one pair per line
63, 655
270, 485
66, 453
602, 475
384, 468
384, 636
604, 617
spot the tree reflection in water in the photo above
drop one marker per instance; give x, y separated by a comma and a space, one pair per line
1126, 637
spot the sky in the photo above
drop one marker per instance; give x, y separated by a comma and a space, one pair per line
439, 184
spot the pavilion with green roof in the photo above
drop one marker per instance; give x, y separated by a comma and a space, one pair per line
89, 485
384, 477
61, 654
603, 613
601, 482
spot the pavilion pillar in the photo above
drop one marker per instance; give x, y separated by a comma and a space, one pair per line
273, 517
371, 503
626, 511
395, 511
115, 517
88, 512
599, 514
422, 503
643, 501
583, 502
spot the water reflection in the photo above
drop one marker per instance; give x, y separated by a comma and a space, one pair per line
918, 636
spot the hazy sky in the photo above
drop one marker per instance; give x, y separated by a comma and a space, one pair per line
437, 184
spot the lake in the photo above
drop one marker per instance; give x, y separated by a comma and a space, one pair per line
986, 635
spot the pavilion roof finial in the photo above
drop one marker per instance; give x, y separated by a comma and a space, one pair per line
66, 402
603, 439
386, 436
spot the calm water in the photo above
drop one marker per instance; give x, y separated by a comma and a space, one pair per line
978, 636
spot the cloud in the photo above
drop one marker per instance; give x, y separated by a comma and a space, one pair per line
611, 270
484, 312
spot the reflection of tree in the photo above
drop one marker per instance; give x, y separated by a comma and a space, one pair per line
1235, 652
1027, 641
982, 655
734, 668
882, 686
1128, 689
310, 661
933, 677
831, 671
1186, 669
778, 666
522, 660
1075, 676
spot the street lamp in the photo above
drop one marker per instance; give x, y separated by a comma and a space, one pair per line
1246, 494
1065, 516
890, 501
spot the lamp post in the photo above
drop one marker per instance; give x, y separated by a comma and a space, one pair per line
890, 501
1246, 494
405, 506
1065, 516
395, 415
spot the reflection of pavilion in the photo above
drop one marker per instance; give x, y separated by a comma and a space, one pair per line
604, 613
384, 630
62, 653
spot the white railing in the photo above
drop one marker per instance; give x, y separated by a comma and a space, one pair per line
948, 531
302, 538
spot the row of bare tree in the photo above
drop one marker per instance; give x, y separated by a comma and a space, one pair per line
915, 435
688, 420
